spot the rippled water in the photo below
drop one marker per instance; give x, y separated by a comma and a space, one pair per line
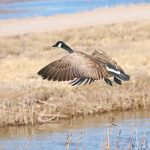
51, 7
92, 132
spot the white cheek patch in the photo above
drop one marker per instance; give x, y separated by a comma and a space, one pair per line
59, 45
112, 70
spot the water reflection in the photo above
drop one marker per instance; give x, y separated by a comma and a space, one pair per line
131, 119
92, 130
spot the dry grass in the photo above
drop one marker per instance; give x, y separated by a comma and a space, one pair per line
27, 99
112, 140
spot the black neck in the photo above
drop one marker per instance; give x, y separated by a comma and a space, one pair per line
66, 47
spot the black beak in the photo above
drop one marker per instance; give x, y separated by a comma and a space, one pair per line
54, 45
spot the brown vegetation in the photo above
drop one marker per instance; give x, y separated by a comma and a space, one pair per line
27, 99
118, 143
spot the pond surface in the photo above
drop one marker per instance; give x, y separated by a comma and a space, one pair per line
93, 133
30, 8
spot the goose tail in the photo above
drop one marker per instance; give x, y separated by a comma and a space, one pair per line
118, 73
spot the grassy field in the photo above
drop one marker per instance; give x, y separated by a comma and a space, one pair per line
27, 99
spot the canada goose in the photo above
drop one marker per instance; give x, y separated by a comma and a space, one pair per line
79, 67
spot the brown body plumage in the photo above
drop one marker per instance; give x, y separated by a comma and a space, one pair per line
80, 67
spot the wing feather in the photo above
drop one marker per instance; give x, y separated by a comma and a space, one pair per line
110, 66
74, 65
51, 73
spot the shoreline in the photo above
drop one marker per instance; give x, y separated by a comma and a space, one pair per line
28, 99
103, 16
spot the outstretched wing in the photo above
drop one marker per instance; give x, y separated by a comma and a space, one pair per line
103, 57
75, 65
111, 66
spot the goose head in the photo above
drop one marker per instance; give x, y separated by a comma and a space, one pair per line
61, 44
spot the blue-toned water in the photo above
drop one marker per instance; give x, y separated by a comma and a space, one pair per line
129, 129
52, 7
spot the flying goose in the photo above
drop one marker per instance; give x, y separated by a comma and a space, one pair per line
80, 67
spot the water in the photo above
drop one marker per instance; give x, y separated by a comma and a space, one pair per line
92, 132
51, 7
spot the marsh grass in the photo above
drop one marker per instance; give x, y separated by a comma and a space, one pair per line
112, 141
27, 99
